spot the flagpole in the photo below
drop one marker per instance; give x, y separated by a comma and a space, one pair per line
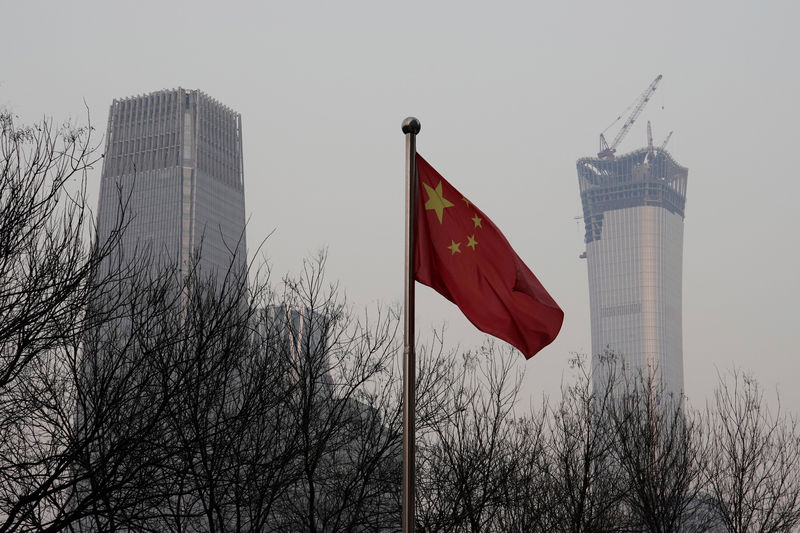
411, 127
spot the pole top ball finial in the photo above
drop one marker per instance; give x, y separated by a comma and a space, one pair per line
411, 125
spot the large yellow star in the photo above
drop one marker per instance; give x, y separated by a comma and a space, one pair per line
455, 247
477, 221
436, 201
472, 243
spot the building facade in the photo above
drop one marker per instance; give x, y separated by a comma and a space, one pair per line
633, 210
300, 337
173, 171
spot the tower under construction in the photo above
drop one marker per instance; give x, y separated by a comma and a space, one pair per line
633, 210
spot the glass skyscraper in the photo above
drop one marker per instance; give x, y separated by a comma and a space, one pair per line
173, 158
633, 210
172, 173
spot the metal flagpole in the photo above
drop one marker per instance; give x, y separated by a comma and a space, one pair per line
411, 127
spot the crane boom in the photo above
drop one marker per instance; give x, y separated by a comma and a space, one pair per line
664, 144
607, 150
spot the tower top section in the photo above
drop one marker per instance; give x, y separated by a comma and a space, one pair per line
174, 128
639, 178
188, 94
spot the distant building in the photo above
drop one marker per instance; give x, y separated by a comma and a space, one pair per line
174, 159
633, 210
300, 338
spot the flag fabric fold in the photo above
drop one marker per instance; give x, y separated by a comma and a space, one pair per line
462, 255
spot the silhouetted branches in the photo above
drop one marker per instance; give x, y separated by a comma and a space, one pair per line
754, 465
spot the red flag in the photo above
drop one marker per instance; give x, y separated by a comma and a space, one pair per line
464, 257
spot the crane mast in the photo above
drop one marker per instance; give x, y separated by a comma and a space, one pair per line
607, 150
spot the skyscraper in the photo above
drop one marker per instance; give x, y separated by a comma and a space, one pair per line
172, 172
174, 159
633, 209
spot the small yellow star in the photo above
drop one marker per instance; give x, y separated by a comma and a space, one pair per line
472, 243
436, 201
465, 201
477, 221
455, 247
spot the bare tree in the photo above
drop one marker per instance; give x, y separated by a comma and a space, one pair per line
661, 450
45, 267
206, 382
343, 406
525, 492
48, 277
121, 399
467, 459
584, 486
753, 471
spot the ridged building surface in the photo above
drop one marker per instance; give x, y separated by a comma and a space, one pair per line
173, 158
633, 209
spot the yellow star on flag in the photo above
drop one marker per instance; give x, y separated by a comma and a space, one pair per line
455, 247
477, 221
465, 201
472, 243
436, 201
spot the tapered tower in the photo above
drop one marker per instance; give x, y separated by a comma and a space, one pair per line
633, 209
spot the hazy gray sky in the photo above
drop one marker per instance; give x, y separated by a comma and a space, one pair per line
509, 96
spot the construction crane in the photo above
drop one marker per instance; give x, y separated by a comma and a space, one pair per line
607, 150
664, 144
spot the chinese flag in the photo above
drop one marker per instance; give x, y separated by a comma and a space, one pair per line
464, 257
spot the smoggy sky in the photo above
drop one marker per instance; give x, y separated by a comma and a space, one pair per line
509, 96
